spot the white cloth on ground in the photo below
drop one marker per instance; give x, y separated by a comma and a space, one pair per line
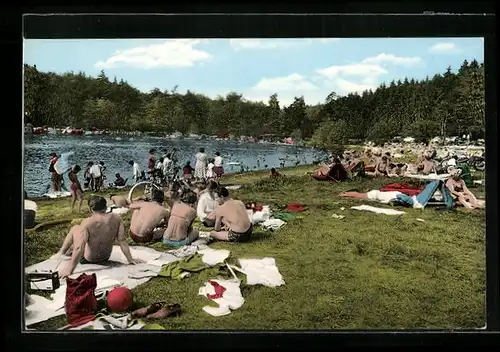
259, 216
378, 210
118, 272
59, 194
432, 177
212, 257
233, 187
231, 298
262, 271
272, 224
383, 197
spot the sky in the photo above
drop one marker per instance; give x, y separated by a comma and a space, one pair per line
256, 68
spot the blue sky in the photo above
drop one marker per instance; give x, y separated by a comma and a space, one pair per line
256, 68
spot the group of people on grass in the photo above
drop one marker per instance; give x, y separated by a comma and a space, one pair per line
378, 164
173, 224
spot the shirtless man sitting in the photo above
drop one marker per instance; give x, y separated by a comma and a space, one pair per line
427, 166
233, 214
180, 230
119, 201
94, 238
147, 217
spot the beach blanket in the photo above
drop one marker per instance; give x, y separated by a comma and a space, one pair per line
272, 224
117, 273
54, 195
378, 210
403, 188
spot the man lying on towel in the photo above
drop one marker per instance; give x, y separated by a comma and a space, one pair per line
233, 214
149, 219
94, 238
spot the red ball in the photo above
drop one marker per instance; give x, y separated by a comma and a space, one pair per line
120, 299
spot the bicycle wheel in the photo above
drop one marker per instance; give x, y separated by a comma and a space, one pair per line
148, 186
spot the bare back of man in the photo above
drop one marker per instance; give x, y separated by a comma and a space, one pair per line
94, 238
233, 214
147, 216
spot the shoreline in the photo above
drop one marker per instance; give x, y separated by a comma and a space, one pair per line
229, 175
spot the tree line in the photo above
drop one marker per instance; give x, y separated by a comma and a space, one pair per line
444, 105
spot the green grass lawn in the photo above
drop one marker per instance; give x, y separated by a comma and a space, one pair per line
366, 271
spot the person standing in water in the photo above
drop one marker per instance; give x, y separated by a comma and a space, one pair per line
218, 168
151, 162
187, 171
55, 179
75, 188
200, 168
137, 172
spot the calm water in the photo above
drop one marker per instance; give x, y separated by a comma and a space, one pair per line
117, 151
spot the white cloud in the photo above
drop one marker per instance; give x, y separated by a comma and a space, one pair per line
293, 82
441, 48
392, 59
172, 53
275, 43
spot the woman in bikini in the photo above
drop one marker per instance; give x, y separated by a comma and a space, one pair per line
460, 192
75, 188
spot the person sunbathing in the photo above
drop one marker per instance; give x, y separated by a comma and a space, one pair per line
180, 230
427, 166
460, 192
233, 215
93, 239
381, 168
148, 219
375, 195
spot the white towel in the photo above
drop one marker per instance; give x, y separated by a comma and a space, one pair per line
273, 224
262, 271
231, 298
378, 210
212, 257
260, 216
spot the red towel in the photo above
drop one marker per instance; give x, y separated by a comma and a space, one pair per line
403, 188
81, 303
295, 207
219, 290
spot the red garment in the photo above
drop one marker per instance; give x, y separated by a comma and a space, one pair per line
403, 188
295, 207
187, 170
81, 303
219, 290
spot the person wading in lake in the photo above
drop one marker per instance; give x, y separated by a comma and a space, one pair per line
94, 238
218, 168
95, 173
75, 188
88, 183
55, 178
200, 168
138, 174
233, 215
147, 219
151, 163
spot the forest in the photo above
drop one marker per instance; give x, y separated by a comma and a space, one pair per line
446, 104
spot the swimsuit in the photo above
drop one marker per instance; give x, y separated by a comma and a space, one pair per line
239, 236
85, 261
141, 239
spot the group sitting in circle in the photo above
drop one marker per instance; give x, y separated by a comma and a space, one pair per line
92, 240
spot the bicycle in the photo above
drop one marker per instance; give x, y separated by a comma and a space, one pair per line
157, 181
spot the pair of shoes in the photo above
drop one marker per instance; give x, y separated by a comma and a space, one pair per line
158, 310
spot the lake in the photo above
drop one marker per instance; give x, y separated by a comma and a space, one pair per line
116, 151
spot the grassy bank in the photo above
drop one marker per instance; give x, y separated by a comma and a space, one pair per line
364, 271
